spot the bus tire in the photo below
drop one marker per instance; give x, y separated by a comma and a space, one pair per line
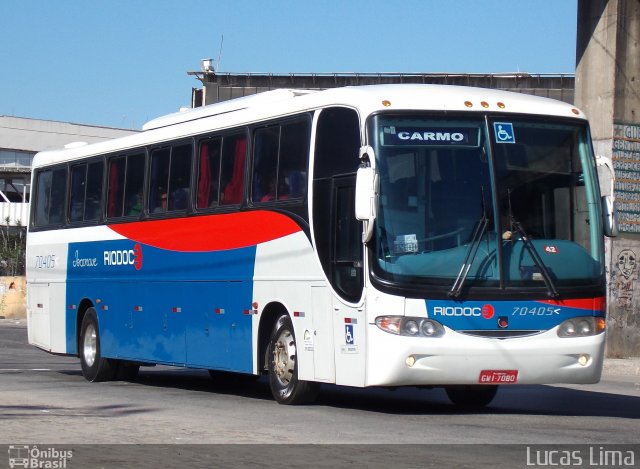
94, 366
471, 397
283, 367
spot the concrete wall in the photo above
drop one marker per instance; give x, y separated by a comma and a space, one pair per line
608, 90
13, 297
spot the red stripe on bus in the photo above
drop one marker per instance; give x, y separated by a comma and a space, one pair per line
210, 232
591, 304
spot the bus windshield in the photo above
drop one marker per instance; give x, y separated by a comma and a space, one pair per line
494, 202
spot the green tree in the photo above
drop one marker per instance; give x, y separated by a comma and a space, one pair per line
12, 248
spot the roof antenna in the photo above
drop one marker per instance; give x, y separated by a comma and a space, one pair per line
220, 53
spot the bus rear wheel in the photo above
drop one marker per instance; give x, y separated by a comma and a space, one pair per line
471, 397
283, 367
94, 366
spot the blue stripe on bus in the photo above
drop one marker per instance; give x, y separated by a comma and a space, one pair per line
183, 308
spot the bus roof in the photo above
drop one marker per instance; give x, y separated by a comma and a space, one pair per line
283, 102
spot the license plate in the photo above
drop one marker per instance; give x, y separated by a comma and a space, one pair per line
498, 377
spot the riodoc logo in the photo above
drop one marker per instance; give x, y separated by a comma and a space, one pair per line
487, 311
124, 257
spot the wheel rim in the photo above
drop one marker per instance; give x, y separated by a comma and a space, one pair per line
284, 357
90, 344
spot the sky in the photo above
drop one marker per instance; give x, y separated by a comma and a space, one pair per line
120, 63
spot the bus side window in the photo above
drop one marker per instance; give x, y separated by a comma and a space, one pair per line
179, 177
281, 154
58, 196
85, 199
51, 196
115, 192
232, 172
43, 198
293, 159
133, 199
208, 173
78, 191
160, 160
265, 164
93, 198
126, 180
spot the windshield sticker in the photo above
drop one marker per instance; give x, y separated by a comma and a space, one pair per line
431, 136
405, 243
504, 132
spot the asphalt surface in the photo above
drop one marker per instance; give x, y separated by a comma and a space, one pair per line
172, 417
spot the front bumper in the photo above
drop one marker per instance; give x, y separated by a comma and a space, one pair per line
459, 359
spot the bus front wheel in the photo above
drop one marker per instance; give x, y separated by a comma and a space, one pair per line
471, 397
283, 367
94, 366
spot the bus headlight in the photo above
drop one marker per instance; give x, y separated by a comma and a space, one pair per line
581, 326
410, 326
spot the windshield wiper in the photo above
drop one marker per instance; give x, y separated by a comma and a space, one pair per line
533, 252
478, 233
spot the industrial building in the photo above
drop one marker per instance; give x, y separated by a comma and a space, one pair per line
20, 139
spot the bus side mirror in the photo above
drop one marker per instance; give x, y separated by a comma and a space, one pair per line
366, 200
609, 216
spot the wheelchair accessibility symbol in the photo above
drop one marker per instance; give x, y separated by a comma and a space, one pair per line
348, 334
504, 132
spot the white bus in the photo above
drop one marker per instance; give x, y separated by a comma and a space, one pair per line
396, 235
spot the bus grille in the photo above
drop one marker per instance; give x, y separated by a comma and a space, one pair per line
500, 334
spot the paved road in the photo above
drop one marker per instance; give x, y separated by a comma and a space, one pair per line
45, 400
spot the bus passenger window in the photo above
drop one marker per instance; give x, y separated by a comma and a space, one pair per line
280, 159
134, 185
78, 189
57, 197
160, 160
42, 198
293, 160
126, 180
85, 198
93, 197
179, 177
115, 191
265, 164
208, 173
232, 172
50, 197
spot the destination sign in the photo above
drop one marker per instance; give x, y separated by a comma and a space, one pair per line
431, 136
